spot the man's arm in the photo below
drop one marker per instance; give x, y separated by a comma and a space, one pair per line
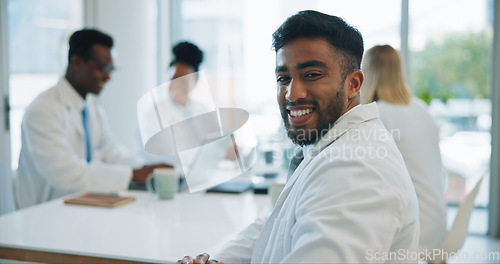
54, 153
240, 250
112, 152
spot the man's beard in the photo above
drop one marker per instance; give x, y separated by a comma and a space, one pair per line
326, 118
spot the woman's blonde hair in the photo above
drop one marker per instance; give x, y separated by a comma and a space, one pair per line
384, 78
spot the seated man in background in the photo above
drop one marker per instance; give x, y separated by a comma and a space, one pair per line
349, 197
66, 143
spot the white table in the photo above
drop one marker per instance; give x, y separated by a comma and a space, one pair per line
147, 230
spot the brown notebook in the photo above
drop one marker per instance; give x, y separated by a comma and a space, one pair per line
100, 200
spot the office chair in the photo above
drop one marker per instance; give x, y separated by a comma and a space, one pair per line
455, 237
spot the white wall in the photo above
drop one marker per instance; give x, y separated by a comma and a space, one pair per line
133, 26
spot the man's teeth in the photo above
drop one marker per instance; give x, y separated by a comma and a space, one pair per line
299, 113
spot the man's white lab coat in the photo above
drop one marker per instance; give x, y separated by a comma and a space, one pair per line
351, 200
52, 162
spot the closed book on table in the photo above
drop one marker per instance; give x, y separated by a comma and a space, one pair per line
100, 200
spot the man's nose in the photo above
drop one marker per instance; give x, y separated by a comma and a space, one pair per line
107, 76
296, 90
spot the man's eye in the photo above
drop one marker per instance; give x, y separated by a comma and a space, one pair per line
313, 75
282, 79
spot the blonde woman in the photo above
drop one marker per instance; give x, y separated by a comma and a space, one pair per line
416, 136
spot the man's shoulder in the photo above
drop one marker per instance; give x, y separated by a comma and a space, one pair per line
370, 131
369, 151
359, 168
367, 146
45, 102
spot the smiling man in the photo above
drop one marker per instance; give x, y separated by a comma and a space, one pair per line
349, 198
312, 92
66, 143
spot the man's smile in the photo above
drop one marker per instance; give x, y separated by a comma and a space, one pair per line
299, 115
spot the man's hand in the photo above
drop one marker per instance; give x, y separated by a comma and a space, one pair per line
141, 174
200, 259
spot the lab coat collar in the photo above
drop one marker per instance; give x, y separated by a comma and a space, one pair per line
72, 100
69, 96
353, 117
346, 122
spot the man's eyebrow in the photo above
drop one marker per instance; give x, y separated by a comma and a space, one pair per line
281, 69
312, 63
303, 65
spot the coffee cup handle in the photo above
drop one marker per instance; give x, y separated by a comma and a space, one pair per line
149, 182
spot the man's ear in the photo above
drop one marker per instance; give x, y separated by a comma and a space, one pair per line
353, 82
76, 62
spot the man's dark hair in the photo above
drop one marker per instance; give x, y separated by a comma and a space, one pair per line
312, 24
187, 53
82, 41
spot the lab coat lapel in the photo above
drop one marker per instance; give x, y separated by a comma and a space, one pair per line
266, 229
358, 115
78, 122
73, 104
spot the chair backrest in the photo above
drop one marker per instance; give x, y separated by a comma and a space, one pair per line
455, 237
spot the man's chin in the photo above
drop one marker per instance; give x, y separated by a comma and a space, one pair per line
302, 136
97, 90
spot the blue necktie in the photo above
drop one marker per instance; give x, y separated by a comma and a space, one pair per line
294, 163
86, 131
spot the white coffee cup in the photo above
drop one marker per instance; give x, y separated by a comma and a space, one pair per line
165, 183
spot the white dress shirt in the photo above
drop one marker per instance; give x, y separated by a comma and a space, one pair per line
53, 162
417, 137
350, 200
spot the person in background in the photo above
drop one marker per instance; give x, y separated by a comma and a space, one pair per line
416, 136
67, 146
179, 106
349, 197
187, 60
